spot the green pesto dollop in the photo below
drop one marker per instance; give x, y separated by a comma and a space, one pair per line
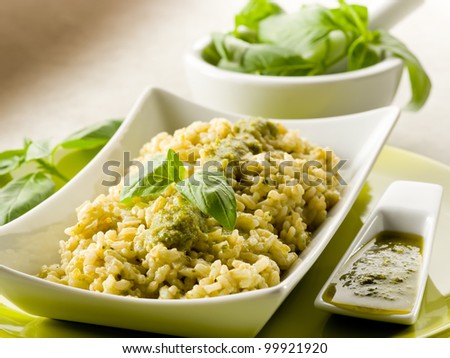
233, 148
178, 224
259, 128
250, 136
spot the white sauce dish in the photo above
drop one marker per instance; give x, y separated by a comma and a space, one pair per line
383, 274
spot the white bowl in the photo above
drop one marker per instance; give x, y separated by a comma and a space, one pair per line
32, 239
406, 206
291, 97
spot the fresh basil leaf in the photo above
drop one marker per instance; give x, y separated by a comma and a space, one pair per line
11, 160
255, 11
275, 61
211, 193
175, 167
92, 136
26, 143
247, 35
262, 59
218, 39
227, 48
362, 12
5, 179
159, 173
210, 54
22, 194
221, 51
148, 183
310, 32
363, 54
418, 78
351, 18
230, 66
231, 48
37, 149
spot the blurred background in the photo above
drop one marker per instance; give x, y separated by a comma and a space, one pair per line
65, 64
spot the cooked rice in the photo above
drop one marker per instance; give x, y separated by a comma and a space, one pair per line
117, 248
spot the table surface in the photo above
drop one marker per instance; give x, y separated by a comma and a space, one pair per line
66, 64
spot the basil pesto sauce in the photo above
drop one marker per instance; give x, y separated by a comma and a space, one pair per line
381, 277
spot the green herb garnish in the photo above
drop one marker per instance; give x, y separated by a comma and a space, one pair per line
315, 40
154, 180
94, 136
254, 12
211, 193
11, 160
39, 175
23, 194
208, 191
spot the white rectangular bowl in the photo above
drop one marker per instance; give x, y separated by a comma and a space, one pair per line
32, 240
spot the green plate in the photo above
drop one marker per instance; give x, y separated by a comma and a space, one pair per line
297, 316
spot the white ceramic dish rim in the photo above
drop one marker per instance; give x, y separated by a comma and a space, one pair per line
395, 199
287, 283
194, 58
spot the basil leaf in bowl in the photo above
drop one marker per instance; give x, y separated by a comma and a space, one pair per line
316, 40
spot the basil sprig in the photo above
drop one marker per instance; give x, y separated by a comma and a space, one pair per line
23, 194
208, 191
20, 193
211, 193
94, 136
315, 40
11, 160
160, 172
